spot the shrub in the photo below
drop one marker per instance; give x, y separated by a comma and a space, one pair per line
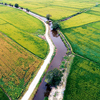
53, 77
9, 4
56, 25
16, 5
1, 3
21, 7
27, 9
48, 16
5, 3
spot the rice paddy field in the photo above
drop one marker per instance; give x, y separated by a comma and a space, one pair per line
17, 67
58, 9
23, 29
83, 33
21, 50
83, 82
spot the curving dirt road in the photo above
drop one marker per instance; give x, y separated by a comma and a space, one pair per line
46, 61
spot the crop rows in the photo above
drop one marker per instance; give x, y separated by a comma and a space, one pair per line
58, 9
83, 82
17, 67
83, 32
20, 27
85, 41
79, 20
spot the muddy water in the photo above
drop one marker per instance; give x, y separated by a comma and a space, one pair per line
44, 89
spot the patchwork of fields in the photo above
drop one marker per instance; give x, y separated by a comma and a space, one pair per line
59, 9
83, 82
83, 33
85, 39
23, 29
17, 67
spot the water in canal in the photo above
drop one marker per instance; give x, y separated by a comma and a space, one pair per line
44, 89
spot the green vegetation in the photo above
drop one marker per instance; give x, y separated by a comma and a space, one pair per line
79, 20
46, 98
85, 39
48, 16
59, 9
53, 77
3, 95
23, 29
55, 26
27, 9
17, 67
83, 33
16, 5
83, 82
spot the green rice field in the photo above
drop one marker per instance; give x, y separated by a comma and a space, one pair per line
59, 9
83, 82
23, 29
83, 33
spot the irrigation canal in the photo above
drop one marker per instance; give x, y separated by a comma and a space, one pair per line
44, 89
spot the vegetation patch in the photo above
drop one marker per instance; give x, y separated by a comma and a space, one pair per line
79, 20
83, 81
17, 67
3, 95
59, 9
84, 41
24, 29
95, 25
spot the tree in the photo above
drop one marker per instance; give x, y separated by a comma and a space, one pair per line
27, 9
46, 98
48, 16
21, 7
53, 77
5, 3
55, 25
16, 5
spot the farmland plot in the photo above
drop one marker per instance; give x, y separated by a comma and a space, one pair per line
83, 82
17, 67
83, 32
23, 29
85, 41
81, 19
59, 9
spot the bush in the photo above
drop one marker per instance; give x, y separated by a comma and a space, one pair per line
16, 5
21, 7
48, 16
9, 4
47, 22
5, 3
53, 77
55, 25
27, 9
1, 3
46, 98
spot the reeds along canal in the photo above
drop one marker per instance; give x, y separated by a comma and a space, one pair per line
44, 89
